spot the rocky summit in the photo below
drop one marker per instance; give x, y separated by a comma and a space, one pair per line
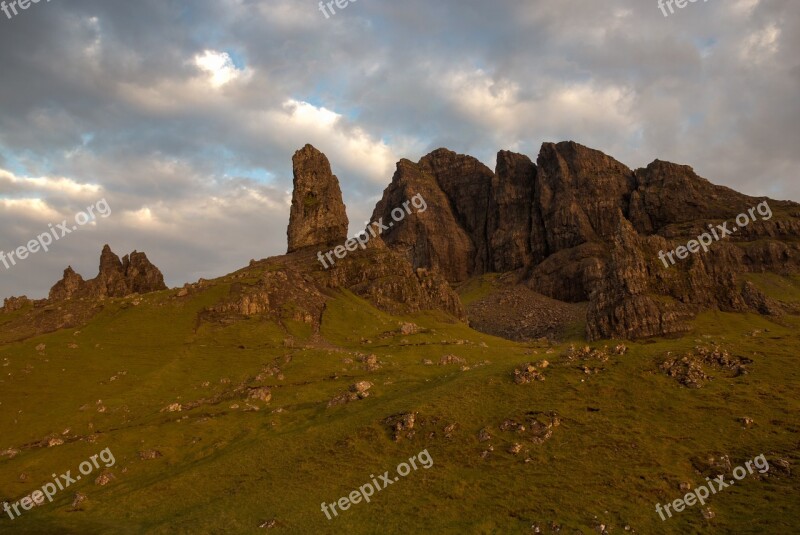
318, 214
578, 226
117, 278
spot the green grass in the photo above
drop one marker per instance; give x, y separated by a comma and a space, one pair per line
227, 470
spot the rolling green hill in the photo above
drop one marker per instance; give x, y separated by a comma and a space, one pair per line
607, 438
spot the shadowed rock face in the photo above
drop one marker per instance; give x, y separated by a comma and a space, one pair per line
581, 226
117, 278
467, 183
510, 225
582, 195
318, 215
668, 194
429, 239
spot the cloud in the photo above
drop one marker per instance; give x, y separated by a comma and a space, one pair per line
185, 115
218, 66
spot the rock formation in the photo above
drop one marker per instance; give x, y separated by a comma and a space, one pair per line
317, 216
429, 239
117, 278
12, 304
579, 226
70, 284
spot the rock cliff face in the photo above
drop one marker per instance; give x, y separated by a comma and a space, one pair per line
511, 229
579, 226
296, 286
317, 217
467, 184
117, 278
12, 304
430, 239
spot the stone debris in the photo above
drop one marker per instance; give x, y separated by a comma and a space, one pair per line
261, 394
357, 391
149, 455
690, 369
527, 374
402, 425
452, 359
78, 500
104, 479
174, 407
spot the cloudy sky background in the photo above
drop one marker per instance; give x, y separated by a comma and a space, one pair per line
184, 114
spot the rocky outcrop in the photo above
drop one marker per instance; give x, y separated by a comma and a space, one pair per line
582, 195
317, 216
141, 275
134, 274
282, 293
579, 226
756, 300
385, 278
622, 305
433, 239
70, 284
13, 304
467, 183
671, 194
511, 212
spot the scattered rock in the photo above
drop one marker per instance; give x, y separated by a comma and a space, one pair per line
361, 387
408, 329
451, 359
78, 500
149, 455
104, 479
587, 353
357, 391
370, 362
261, 394
402, 425
538, 426
783, 465
527, 374
10, 453
689, 370
448, 430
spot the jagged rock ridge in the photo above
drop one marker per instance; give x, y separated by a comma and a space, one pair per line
579, 226
134, 274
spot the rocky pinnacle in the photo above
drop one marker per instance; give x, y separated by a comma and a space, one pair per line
318, 216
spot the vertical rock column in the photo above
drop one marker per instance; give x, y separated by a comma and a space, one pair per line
318, 216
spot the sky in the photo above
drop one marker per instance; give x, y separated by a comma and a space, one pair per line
183, 115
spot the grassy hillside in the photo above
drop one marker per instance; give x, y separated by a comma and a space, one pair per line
628, 435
